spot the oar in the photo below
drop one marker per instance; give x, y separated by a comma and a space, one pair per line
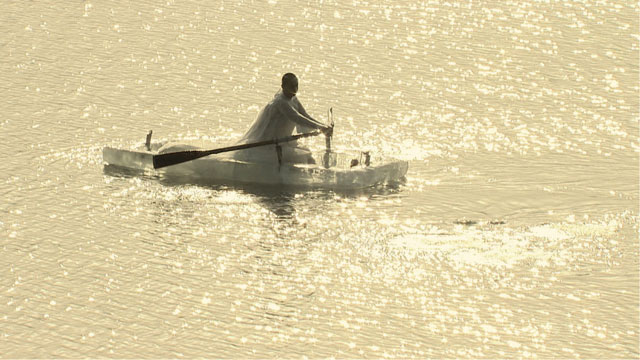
174, 158
330, 133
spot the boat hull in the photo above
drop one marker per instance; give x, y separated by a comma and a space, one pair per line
338, 175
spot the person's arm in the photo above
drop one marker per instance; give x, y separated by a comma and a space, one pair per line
300, 119
302, 109
328, 130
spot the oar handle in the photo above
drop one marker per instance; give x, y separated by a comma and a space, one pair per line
329, 133
327, 139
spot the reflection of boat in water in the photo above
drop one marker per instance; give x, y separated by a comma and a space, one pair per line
331, 171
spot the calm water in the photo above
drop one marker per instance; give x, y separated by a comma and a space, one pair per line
515, 233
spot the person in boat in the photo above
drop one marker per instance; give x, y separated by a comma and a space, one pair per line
278, 119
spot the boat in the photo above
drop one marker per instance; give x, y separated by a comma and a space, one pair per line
332, 170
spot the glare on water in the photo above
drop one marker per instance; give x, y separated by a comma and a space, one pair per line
514, 234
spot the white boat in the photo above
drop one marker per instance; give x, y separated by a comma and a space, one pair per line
331, 171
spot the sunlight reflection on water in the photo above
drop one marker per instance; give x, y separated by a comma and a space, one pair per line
514, 234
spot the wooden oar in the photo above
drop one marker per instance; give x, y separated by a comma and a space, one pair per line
174, 158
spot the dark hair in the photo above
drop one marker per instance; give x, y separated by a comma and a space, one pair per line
286, 78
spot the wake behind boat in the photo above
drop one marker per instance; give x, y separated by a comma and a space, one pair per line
354, 170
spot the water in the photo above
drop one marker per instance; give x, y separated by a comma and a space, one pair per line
515, 233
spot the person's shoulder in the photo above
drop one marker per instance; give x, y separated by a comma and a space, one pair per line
279, 97
279, 94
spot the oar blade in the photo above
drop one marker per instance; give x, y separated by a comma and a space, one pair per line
168, 159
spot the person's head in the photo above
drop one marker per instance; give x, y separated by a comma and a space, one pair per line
289, 85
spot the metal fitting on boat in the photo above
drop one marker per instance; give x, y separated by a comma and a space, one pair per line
367, 158
147, 143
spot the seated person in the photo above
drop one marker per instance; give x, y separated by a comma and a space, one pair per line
277, 120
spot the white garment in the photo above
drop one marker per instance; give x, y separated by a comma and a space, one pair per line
175, 147
277, 120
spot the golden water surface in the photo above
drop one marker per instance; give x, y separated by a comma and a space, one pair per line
514, 234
